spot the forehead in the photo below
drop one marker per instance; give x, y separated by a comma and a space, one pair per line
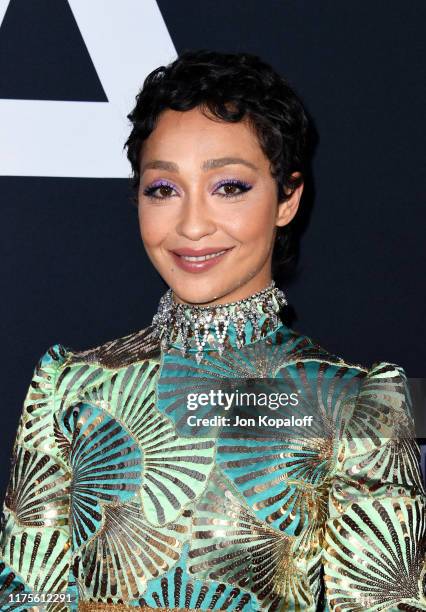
192, 132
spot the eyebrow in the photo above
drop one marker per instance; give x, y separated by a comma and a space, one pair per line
206, 165
225, 161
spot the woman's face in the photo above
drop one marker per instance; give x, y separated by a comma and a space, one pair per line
208, 207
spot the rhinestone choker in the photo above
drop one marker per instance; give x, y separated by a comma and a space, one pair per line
193, 326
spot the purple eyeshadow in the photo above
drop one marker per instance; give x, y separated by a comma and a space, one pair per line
161, 183
150, 190
234, 182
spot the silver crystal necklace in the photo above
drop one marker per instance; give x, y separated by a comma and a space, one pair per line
193, 326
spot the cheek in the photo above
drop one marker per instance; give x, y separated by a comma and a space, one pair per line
152, 229
254, 224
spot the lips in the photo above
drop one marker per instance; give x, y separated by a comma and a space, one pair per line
199, 252
199, 260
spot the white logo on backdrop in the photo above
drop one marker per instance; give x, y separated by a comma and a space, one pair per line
125, 40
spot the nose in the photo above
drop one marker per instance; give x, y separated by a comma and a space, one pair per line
195, 219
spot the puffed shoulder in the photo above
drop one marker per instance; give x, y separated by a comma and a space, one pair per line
119, 352
380, 434
54, 356
35, 424
386, 369
383, 402
386, 385
56, 384
45, 372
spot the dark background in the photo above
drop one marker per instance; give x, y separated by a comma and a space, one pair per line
73, 267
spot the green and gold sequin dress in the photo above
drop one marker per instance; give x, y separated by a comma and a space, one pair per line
111, 502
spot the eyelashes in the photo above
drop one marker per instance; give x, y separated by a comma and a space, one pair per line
243, 187
157, 186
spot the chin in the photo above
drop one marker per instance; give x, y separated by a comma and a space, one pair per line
198, 294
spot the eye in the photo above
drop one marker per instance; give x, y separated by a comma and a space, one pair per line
163, 187
232, 188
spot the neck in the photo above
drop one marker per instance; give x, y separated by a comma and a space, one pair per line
199, 328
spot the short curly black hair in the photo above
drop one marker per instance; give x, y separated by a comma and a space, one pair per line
232, 87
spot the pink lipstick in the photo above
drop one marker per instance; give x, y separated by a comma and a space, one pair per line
199, 260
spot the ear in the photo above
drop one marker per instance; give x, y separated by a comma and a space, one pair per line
287, 210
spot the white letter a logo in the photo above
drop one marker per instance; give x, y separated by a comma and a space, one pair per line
125, 40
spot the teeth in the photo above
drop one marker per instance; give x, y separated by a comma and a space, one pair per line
203, 257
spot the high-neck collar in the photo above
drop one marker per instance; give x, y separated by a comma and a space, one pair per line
196, 329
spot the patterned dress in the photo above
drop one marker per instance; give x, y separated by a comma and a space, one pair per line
114, 503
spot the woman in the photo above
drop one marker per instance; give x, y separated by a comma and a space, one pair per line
117, 498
